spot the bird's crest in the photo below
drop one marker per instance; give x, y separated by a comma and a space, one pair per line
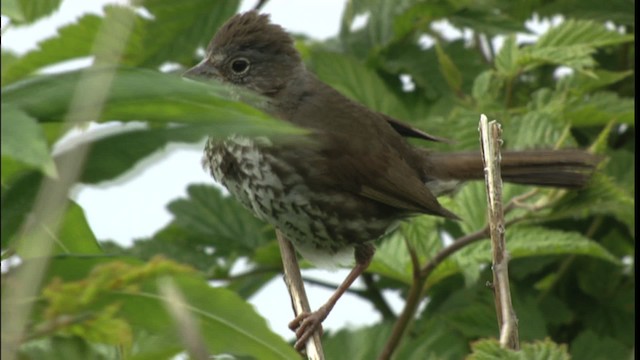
251, 30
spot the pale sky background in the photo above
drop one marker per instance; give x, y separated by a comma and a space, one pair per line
134, 206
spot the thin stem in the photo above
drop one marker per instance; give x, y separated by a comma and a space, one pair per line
415, 292
299, 300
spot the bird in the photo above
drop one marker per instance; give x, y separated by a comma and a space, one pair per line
352, 177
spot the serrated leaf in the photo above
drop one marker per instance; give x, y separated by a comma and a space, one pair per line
490, 349
582, 84
602, 197
537, 129
522, 242
601, 108
72, 41
229, 226
577, 57
538, 241
471, 204
392, 257
23, 140
26, 11
580, 32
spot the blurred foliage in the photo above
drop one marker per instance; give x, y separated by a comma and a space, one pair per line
572, 253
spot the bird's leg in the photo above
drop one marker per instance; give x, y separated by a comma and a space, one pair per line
305, 324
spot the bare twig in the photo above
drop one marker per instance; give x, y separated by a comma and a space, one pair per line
415, 291
260, 4
507, 320
299, 301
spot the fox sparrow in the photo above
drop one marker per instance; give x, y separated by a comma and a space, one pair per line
356, 175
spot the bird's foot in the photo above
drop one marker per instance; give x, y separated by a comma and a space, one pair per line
306, 324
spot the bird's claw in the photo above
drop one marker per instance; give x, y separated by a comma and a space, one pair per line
305, 325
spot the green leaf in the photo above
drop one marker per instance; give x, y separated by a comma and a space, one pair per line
618, 11
589, 345
23, 140
113, 155
179, 28
525, 241
601, 108
577, 57
522, 242
71, 42
507, 59
535, 129
127, 293
137, 94
471, 206
74, 236
449, 70
229, 226
227, 323
466, 311
582, 84
357, 82
379, 28
26, 11
66, 348
487, 87
16, 204
490, 349
363, 343
579, 32
602, 197
392, 257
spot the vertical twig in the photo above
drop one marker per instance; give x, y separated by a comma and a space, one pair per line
507, 321
299, 301
188, 330
50, 204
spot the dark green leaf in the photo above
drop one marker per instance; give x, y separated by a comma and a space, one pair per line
589, 345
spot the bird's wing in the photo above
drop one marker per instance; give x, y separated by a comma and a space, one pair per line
399, 186
407, 130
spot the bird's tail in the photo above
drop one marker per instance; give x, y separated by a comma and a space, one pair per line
557, 168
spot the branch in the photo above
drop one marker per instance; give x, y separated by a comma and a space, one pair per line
415, 292
299, 301
507, 320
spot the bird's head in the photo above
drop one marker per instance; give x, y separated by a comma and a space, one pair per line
250, 52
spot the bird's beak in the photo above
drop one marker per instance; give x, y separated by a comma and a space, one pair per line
204, 70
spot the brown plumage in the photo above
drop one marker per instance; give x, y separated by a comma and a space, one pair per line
358, 176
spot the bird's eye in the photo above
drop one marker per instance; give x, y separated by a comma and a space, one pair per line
240, 66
